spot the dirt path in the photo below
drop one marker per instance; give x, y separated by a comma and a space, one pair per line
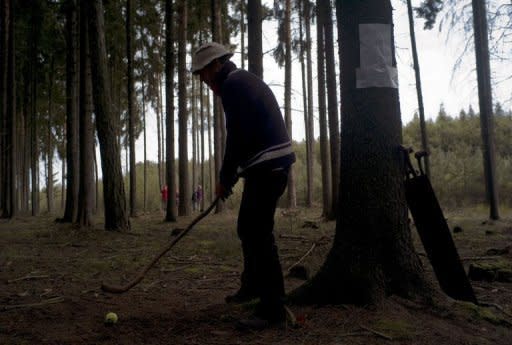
50, 276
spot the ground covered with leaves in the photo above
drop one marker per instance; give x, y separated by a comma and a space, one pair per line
50, 278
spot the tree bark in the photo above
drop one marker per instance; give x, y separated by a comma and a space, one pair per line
483, 70
49, 181
131, 112
84, 214
184, 208
170, 214
372, 255
72, 150
292, 195
114, 197
322, 117
332, 105
254, 42
218, 116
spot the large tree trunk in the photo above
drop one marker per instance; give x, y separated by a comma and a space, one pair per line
332, 105
145, 199
10, 196
211, 157
423, 126
159, 131
170, 214
131, 112
114, 196
242, 34
201, 105
4, 38
372, 254
72, 153
292, 195
84, 216
483, 70
322, 117
184, 208
254, 44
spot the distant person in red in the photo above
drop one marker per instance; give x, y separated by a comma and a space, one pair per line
165, 195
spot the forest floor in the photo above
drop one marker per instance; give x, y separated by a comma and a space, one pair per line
50, 278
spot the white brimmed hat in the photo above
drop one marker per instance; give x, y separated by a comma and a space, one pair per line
206, 54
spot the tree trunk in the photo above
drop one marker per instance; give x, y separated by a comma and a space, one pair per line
483, 70
36, 22
145, 147
184, 205
242, 35
372, 255
332, 101
306, 94
131, 112
72, 153
292, 195
322, 117
193, 99
421, 110
159, 130
201, 97
9, 189
254, 43
218, 116
4, 38
169, 109
113, 187
211, 158
49, 181
84, 215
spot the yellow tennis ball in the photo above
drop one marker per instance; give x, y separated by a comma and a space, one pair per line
110, 318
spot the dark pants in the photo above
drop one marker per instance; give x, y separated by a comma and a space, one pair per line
262, 274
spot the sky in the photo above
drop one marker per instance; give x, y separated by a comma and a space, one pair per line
438, 52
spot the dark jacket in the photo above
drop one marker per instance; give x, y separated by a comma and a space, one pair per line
257, 140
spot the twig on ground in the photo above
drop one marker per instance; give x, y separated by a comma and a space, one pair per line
303, 257
29, 276
480, 258
380, 334
32, 305
150, 285
293, 237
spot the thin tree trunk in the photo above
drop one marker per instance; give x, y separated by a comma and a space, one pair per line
332, 101
49, 182
3, 98
63, 185
201, 98
170, 215
324, 141
242, 34
423, 126
483, 70
218, 116
116, 217
311, 126
211, 158
34, 154
309, 163
145, 147
159, 130
292, 195
184, 205
131, 112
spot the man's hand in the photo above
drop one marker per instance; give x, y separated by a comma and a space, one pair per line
222, 192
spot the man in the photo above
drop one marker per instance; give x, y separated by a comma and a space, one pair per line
259, 150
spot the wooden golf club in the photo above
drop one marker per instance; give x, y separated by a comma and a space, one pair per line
138, 278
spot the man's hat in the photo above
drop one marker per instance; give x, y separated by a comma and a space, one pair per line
206, 53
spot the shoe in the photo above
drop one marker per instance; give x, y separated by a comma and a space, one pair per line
253, 323
241, 296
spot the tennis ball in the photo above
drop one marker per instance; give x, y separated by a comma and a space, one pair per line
110, 318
